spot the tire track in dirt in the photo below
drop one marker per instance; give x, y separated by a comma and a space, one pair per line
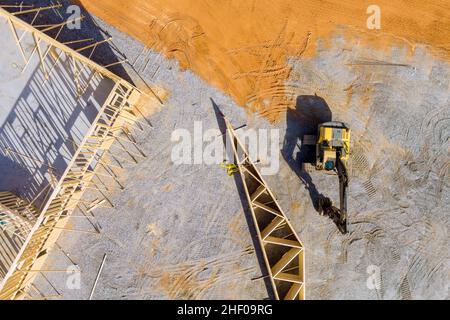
435, 126
356, 235
229, 278
360, 168
270, 95
431, 253
185, 280
405, 289
215, 39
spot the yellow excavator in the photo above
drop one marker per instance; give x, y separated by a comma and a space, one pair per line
332, 154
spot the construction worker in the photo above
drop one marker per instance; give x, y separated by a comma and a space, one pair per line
231, 168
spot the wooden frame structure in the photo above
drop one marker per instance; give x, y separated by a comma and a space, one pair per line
283, 252
117, 112
16, 220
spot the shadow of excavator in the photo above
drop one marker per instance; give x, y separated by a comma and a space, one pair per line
310, 111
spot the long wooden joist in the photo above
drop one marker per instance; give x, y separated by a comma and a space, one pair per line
16, 217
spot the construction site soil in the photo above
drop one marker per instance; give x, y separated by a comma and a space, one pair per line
242, 47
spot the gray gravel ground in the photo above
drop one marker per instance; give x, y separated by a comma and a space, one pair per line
180, 231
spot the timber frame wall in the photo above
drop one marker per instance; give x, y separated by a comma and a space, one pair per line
283, 252
16, 218
116, 112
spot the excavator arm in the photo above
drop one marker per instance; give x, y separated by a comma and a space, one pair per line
332, 153
343, 184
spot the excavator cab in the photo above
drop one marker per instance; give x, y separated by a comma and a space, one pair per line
333, 143
332, 153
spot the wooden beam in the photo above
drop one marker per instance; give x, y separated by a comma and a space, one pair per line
46, 271
93, 45
284, 261
41, 57
56, 6
268, 209
283, 242
77, 41
16, 6
116, 63
16, 38
76, 230
97, 277
294, 291
62, 24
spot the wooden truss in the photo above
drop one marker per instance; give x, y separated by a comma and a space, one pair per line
16, 218
282, 250
116, 113
53, 47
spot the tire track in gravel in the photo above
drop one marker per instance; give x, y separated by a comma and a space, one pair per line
185, 280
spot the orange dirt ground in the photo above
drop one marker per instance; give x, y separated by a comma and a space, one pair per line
242, 47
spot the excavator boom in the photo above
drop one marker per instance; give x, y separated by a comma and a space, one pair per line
343, 184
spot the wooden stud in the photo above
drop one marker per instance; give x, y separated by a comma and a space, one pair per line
41, 57
16, 38
56, 6
97, 277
